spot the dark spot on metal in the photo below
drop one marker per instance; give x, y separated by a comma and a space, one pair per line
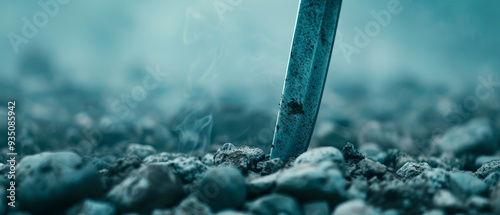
295, 107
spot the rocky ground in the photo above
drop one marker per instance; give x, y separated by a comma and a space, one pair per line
362, 180
372, 153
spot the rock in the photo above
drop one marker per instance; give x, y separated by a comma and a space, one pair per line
408, 196
232, 212
243, 158
465, 184
162, 157
355, 207
121, 169
151, 186
188, 206
274, 204
485, 159
445, 199
92, 207
475, 137
396, 159
495, 199
450, 161
477, 203
370, 168
310, 182
316, 208
372, 151
222, 188
261, 185
139, 150
358, 189
51, 181
434, 178
435, 212
270, 166
492, 179
488, 168
208, 159
318, 155
188, 169
412, 169
351, 154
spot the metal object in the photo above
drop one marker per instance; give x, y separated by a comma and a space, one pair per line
306, 74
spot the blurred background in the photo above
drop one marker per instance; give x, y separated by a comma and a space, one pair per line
188, 76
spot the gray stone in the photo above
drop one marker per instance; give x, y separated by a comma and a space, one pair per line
358, 189
274, 204
478, 203
435, 212
188, 169
485, 159
92, 207
412, 169
488, 168
222, 188
370, 168
270, 166
465, 184
208, 159
445, 199
434, 178
475, 137
310, 182
316, 208
51, 181
318, 155
261, 185
139, 150
189, 206
151, 186
351, 154
492, 179
355, 207
495, 199
162, 157
120, 169
232, 212
243, 158
372, 151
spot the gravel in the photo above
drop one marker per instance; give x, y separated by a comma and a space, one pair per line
241, 180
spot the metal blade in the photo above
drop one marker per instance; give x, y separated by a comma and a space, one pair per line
305, 78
